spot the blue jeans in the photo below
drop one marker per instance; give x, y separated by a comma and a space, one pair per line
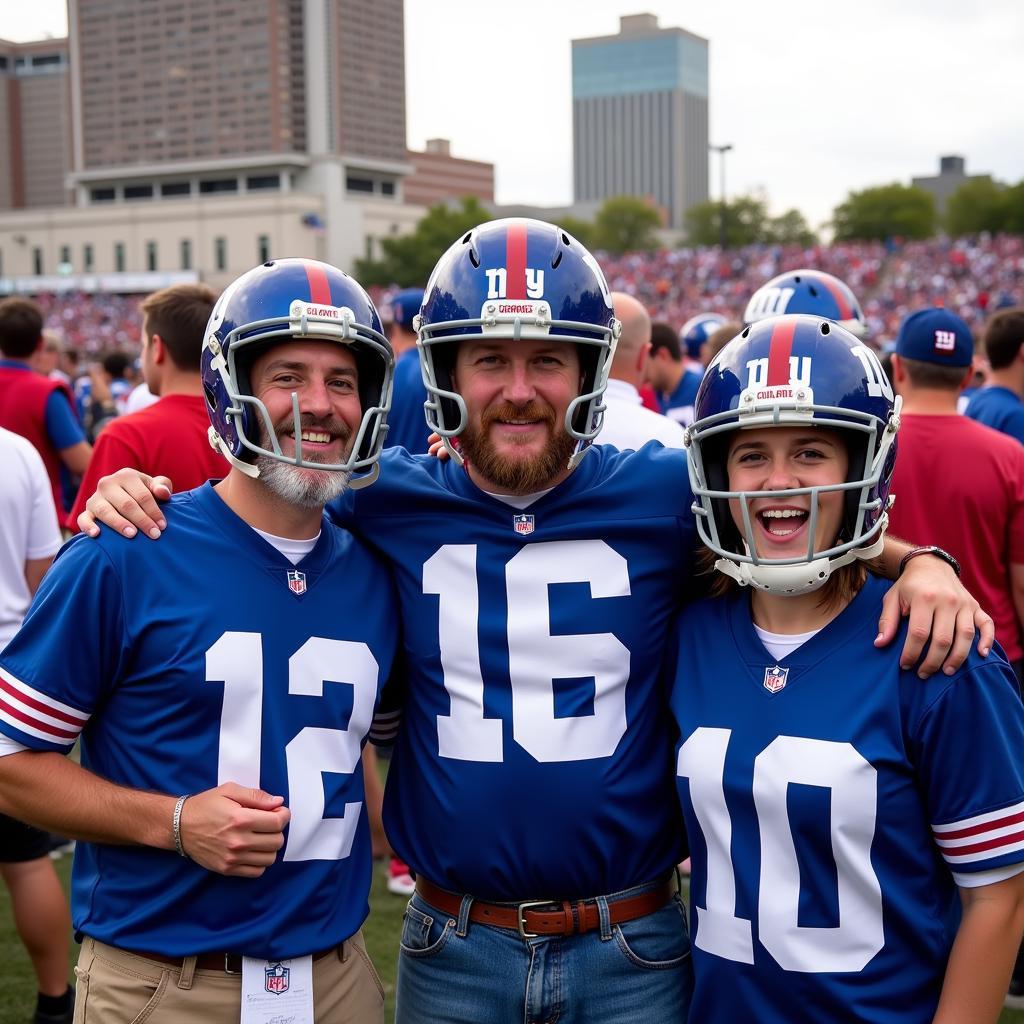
453, 971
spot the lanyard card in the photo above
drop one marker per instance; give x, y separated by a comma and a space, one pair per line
274, 991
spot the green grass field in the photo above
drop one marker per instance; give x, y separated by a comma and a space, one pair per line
17, 985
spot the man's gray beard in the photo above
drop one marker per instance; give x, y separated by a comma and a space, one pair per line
306, 488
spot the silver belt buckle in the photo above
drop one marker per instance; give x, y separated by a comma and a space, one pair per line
520, 922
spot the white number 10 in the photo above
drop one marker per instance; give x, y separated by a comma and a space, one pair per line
851, 780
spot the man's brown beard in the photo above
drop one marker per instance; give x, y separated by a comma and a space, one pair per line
519, 476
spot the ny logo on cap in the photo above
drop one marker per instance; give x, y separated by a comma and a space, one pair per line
945, 341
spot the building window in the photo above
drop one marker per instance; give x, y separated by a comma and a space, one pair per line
176, 188
353, 184
263, 245
151, 255
119, 257
37, 260
387, 188
138, 191
186, 254
220, 253
218, 185
65, 254
101, 195
87, 258
259, 182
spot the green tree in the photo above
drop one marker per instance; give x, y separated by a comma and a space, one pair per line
626, 224
977, 205
582, 230
885, 211
1013, 209
790, 229
408, 259
746, 222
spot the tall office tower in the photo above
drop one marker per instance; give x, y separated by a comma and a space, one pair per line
640, 115
35, 127
193, 99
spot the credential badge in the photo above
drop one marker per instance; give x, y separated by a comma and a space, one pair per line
523, 525
775, 678
297, 582
278, 977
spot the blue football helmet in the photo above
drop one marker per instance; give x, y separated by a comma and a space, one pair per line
808, 291
697, 330
794, 371
292, 299
516, 279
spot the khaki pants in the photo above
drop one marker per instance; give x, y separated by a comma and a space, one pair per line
115, 987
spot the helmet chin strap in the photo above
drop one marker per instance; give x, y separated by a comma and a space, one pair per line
794, 580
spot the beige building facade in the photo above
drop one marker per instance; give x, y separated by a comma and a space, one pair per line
193, 137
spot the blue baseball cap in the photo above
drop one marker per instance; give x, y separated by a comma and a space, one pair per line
935, 335
405, 305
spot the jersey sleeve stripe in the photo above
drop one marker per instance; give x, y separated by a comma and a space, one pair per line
25, 725
994, 841
980, 822
956, 858
33, 698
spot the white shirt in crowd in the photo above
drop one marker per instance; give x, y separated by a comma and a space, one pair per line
627, 424
28, 526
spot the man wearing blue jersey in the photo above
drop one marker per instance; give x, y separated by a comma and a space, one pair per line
222, 685
531, 786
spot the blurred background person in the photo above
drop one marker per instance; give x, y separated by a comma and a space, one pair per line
170, 436
627, 424
29, 538
1000, 403
36, 407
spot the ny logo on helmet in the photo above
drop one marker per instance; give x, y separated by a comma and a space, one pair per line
799, 372
497, 283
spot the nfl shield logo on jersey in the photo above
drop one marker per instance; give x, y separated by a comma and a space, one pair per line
297, 582
775, 678
523, 524
278, 978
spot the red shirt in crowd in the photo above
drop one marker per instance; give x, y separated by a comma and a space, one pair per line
960, 485
168, 437
23, 398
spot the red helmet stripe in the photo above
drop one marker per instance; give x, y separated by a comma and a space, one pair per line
515, 261
779, 352
319, 286
842, 303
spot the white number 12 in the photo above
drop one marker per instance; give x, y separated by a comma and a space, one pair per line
236, 659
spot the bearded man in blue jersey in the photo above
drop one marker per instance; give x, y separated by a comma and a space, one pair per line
531, 788
222, 685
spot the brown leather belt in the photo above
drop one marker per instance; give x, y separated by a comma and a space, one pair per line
548, 917
226, 963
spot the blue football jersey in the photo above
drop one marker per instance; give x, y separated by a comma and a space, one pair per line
407, 424
999, 408
679, 405
829, 798
534, 757
202, 659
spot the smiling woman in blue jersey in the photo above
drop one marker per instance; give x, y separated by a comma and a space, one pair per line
839, 810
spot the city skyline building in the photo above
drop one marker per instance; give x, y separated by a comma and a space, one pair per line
35, 123
186, 136
640, 116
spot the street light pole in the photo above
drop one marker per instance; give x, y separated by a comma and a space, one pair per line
721, 151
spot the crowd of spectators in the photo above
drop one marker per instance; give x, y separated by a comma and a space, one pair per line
972, 276
93, 323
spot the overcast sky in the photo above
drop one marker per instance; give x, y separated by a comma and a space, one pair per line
817, 98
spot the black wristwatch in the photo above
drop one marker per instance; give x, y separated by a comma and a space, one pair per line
929, 549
